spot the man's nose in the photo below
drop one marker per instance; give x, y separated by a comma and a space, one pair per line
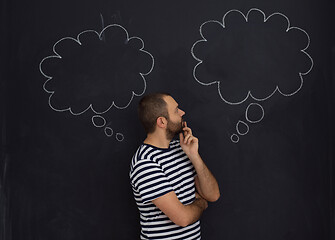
181, 112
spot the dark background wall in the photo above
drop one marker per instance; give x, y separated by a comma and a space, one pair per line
63, 178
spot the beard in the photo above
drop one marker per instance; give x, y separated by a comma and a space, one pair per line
174, 128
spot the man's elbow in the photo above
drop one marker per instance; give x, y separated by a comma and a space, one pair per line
182, 221
214, 197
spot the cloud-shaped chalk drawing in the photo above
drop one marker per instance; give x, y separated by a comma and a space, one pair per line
96, 70
251, 56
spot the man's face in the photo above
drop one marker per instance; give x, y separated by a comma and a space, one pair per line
175, 121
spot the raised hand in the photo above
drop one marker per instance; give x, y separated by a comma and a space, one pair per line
188, 142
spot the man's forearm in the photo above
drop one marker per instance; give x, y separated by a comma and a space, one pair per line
195, 211
207, 184
179, 213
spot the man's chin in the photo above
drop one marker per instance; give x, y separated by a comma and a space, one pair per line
173, 135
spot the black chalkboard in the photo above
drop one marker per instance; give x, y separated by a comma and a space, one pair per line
256, 80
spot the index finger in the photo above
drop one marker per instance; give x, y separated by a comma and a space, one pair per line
188, 130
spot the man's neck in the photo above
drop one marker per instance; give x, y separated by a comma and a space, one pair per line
157, 140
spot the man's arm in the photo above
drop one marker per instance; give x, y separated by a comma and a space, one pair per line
182, 215
205, 182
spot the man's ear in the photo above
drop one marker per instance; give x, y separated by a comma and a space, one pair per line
161, 122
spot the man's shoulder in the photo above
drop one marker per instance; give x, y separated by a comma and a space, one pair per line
146, 153
143, 162
140, 163
143, 155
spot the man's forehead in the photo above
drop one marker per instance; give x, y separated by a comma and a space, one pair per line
170, 101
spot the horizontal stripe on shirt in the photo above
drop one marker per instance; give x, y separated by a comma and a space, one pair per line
155, 172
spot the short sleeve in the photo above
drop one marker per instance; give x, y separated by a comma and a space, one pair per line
149, 180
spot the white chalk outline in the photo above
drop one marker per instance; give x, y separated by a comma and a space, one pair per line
121, 137
91, 105
98, 116
108, 134
249, 92
238, 131
246, 113
234, 135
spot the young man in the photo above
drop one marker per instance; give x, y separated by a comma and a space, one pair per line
170, 181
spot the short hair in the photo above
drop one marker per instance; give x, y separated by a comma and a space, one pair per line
151, 107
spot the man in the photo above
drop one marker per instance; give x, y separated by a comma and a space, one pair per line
170, 181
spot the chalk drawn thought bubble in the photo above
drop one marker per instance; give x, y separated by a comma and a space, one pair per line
96, 71
251, 56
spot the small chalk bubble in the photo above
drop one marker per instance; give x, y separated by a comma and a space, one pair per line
98, 121
108, 131
254, 113
119, 137
242, 128
234, 138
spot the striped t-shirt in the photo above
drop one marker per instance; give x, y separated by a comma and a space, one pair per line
153, 173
